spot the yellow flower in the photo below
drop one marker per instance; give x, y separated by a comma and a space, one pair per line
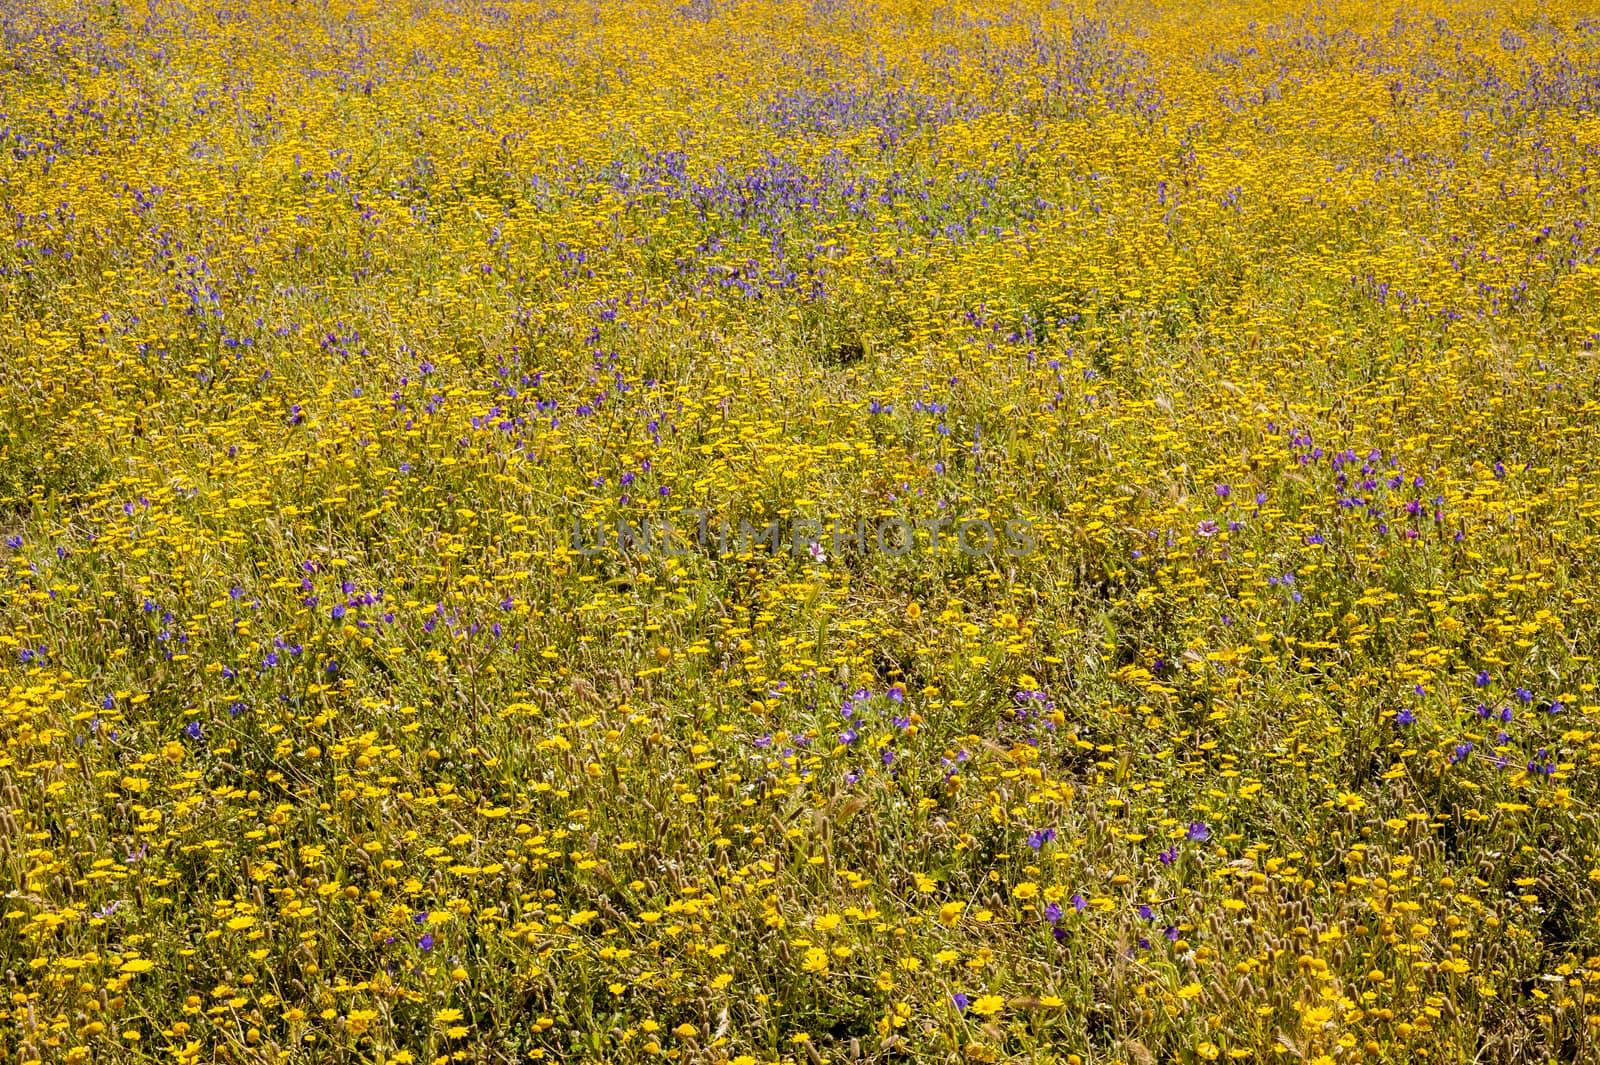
1317, 1016
988, 1005
445, 1016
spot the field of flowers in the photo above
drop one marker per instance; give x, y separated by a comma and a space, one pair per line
335, 339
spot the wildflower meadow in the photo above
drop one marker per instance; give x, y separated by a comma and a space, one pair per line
799, 531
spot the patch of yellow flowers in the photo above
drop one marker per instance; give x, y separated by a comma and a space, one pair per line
1252, 345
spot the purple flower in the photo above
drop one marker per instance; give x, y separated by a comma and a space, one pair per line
960, 1001
1041, 837
426, 942
1146, 913
1405, 717
192, 730
1198, 832
1169, 855
1482, 679
1079, 903
1052, 912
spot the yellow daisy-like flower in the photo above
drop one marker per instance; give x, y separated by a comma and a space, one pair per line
988, 1005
